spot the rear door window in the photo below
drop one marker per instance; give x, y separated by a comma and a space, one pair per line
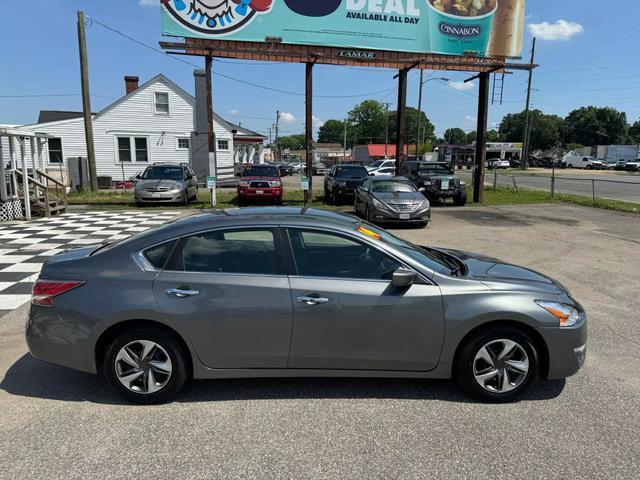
158, 255
251, 251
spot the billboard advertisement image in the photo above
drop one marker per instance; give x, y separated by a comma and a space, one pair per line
487, 28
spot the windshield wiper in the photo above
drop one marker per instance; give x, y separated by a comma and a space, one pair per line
452, 263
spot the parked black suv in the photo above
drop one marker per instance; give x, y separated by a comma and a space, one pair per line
342, 180
437, 179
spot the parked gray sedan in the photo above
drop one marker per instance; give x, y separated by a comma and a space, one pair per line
166, 183
392, 200
292, 292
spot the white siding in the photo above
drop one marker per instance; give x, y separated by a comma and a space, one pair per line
134, 116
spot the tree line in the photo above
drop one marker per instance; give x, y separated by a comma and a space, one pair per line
371, 122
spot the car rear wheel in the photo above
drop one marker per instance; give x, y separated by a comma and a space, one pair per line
145, 366
498, 365
327, 197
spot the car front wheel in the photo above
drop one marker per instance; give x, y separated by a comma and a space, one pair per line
498, 365
145, 366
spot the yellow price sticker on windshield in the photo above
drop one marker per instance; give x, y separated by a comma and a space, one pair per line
369, 233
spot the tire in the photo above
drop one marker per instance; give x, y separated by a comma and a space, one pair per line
327, 198
334, 198
367, 214
469, 363
241, 202
460, 200
589, 167
166, 347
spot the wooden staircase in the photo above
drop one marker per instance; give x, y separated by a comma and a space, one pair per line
47, 195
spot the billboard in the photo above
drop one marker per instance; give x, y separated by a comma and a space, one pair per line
487, 28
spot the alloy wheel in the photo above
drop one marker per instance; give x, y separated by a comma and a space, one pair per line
501, 366
143, 367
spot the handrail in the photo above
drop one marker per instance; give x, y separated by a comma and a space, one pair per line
33, 181
50, 178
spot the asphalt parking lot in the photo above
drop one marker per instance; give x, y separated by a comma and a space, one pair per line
58, 423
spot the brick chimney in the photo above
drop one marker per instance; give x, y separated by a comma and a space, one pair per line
131, 83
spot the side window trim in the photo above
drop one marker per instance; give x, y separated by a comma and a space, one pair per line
176, 261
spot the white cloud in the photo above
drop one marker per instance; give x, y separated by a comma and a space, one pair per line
287, 117
317, 121
561, 30
150, 3
459, 85
470, 118
234, 112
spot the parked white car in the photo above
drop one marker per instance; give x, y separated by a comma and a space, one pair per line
384, 172
589, 163
378, 164
497, 163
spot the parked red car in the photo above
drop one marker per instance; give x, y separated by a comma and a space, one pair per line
260, 182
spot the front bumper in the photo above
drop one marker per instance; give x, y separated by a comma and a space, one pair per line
159, 197
431, 192
567, 349
384, 216
257, 193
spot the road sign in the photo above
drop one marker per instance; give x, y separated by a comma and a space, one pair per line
211, 182
304, 183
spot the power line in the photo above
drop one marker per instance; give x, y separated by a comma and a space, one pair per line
229, 77
45, 95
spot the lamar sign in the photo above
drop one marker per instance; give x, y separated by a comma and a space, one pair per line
488, 28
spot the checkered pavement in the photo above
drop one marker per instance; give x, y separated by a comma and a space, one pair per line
25, 246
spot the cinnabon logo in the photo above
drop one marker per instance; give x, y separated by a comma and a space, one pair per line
459, 30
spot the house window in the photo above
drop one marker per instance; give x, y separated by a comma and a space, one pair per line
136, 148
124, 149
183, 144
55, 150
223, 144
162, 103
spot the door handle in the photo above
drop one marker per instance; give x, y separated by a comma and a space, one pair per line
311, 300
182, 293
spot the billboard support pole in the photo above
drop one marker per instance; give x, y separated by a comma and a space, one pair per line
210, 130
524, 162
400, 119
481, 139
308, 195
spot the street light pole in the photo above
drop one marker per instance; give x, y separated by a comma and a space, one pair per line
443, 79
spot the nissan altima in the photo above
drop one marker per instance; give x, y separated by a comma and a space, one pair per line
273, 292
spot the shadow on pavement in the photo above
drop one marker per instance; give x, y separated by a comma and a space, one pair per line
29, 377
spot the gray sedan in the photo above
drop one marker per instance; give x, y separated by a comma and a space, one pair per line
275, 292
166, 183
391, 200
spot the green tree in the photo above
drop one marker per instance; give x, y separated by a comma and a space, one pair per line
332, 131
634, 132
367, 122
545, 129
411, 127
596, 126
493, 136
292, 142
455, 136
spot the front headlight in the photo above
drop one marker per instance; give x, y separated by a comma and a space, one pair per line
424, 206
427, 183
378, 204
275, 183
567, 315
463, 184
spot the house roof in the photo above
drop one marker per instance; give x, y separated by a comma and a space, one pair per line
242, 132
48, 116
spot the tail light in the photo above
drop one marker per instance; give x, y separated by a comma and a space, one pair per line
44, 291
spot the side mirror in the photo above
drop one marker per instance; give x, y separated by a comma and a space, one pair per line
403, 278
422, 189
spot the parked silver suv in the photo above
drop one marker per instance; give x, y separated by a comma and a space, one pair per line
166, 183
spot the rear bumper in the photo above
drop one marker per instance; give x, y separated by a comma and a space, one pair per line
51, 339
567, 350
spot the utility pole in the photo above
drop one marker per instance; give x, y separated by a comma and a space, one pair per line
86, 103
419, 113
211, 134
277, 155
270, 137
344, 154
527, 123
386, 130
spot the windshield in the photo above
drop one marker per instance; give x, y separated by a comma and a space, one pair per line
261, 171
351, 172
425, 168
392, 186
436, 261
376, 164
162, 173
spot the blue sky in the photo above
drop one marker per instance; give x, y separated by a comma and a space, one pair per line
590, 57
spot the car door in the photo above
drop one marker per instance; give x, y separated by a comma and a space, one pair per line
347, 315
228, 290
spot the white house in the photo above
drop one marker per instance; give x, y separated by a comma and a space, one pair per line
154, 122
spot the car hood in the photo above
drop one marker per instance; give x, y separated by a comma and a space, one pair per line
400, 197
499, 275
166, 183
264, 178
